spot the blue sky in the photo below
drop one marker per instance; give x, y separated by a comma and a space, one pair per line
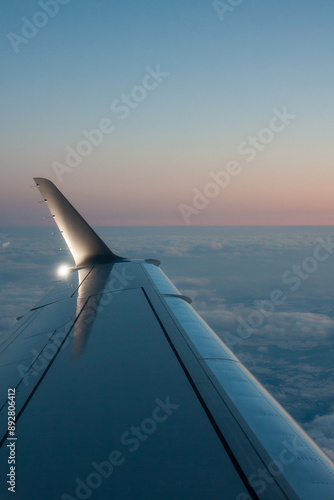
225, 78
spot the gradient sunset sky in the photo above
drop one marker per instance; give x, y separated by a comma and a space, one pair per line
223, 75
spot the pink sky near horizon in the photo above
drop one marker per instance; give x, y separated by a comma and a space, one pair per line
235, 205
280, 187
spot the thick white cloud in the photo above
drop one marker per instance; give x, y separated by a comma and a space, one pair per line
321, 430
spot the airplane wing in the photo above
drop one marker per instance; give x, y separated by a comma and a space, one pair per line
122, 391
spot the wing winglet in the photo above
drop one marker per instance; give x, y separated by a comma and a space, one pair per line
85, 245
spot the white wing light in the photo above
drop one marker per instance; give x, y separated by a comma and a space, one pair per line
63, 270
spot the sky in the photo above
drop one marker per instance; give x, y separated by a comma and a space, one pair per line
132, 108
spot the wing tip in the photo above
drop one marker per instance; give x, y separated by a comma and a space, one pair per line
85, 245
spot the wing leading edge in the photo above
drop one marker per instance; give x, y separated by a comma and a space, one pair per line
123, 391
